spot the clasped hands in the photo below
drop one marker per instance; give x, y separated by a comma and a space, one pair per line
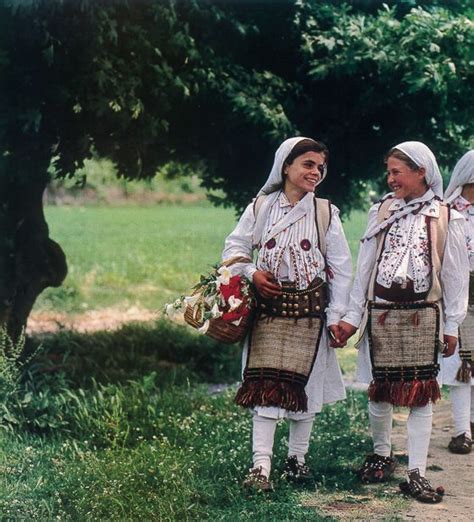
268, 287
341, 332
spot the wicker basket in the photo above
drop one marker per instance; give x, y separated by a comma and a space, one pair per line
221, 330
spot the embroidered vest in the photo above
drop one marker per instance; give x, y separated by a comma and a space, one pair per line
322, 213
437, 233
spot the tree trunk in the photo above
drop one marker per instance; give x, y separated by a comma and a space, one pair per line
29, 260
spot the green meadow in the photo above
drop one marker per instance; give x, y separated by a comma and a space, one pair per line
146, 256
139, 423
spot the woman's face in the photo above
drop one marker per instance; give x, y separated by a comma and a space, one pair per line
304, 173
406, 183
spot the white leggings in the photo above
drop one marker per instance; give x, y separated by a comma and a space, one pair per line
462, 407
264, 433
418, 431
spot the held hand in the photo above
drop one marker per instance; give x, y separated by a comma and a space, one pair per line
335, 336
346, 330
450, 345
266, 284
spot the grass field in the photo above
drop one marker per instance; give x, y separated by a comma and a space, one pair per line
122, 426
147, 256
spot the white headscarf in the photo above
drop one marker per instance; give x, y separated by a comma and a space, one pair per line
275, 178
275, 181
423, 157
463, 173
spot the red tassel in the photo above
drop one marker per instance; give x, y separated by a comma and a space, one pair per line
416, 319
382, 317
405, 393
262, 392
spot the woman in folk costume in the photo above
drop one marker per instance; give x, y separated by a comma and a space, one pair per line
458, 370
302, 275
409, 297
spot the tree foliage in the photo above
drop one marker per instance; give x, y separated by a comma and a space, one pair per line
217, 84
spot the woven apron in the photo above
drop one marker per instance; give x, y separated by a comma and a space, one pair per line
281, 354
466, 339
403, 343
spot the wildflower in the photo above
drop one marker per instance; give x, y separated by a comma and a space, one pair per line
224, 276
203, 329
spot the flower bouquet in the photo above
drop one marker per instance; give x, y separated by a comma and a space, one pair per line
220, 305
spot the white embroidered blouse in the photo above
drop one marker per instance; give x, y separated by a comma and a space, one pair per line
466, 209
405, 256
289, 250
406, 253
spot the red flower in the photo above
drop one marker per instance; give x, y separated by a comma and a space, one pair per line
231, 316
233, 288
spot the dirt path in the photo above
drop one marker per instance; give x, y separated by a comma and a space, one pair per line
454, 472
91, 321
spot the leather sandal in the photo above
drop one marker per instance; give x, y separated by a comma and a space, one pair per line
420, 489
295, 472
461, 444
376, 468
257, 481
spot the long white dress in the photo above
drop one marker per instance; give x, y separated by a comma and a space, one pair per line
450, 365
409, 265
289, 259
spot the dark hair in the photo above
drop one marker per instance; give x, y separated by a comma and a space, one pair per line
304, 146
396, 153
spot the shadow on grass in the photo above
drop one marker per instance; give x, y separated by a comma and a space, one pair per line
175, 353
129, 431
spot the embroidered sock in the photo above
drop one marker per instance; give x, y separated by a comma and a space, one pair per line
262, 442
300, 433
461, 408
419, 433
380, 417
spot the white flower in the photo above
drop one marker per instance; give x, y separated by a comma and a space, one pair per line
234, 303
224, 276
191, 300
173, 311
204, 327
215, 311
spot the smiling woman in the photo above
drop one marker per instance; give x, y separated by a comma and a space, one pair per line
290, 370
404, 177
303, 175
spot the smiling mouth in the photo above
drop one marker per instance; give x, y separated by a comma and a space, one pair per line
312, 180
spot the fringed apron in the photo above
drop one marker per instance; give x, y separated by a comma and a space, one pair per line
403, 343
283, 346
404, 336
466, 339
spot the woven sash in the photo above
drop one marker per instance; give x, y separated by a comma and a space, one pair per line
466, 339
403, 341
281, 356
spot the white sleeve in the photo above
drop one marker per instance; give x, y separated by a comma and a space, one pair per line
365, 265
338, 259
455, 275
239, 244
